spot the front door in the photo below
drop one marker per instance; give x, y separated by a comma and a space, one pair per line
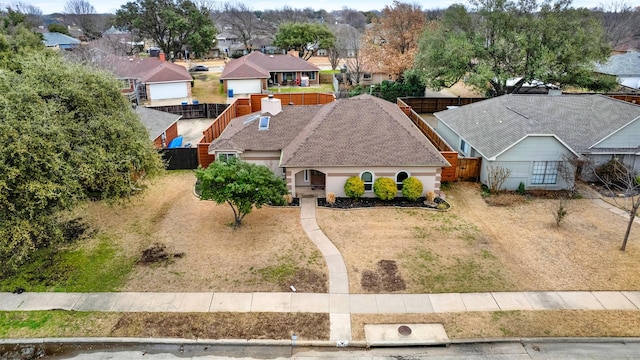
317, 179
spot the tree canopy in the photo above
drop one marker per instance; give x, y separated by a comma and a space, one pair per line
67, 134
501, 40
240, 184
392, 40
306, 38
175, 25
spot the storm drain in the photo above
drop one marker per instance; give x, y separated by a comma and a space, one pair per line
405, 335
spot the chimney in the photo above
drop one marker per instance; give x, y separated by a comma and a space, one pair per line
162, 57
271, 105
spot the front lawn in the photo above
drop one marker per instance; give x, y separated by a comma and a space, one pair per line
477, 247
199, 249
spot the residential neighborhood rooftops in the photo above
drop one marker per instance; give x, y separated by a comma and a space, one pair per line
150, 70
52, 39
622, 64
579, 121
258, 65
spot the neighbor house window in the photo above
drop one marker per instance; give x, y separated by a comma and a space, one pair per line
288, 76
226, 156
366, 76
544, 172
322, 52
367, 177
310, 74
400, 177
464, 147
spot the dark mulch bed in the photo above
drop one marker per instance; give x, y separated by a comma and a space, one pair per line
349, 203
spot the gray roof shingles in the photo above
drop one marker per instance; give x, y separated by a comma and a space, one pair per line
361, 131
156, 121
580, 121
622, 64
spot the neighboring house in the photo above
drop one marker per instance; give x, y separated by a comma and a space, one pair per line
535, 135
626, 67
60, 41
256, 71
162, 126
153, 79
321, 146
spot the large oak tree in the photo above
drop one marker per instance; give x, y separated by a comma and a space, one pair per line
174, 25
501, 40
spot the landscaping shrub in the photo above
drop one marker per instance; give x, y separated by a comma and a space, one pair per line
288, 198
385, 188
521, 190
431, 196
331, 198
411, 188
354, 187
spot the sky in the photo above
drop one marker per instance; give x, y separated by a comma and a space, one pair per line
110, 6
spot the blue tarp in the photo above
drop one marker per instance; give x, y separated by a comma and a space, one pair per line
175, 143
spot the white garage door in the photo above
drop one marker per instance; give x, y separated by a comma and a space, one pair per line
252, 86
168, 91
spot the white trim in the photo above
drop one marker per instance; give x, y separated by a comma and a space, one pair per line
373, 179
226, 153
614, 132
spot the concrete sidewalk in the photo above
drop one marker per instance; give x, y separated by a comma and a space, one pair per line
322, 303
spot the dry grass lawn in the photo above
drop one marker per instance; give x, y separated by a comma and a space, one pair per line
268, 253
475, 247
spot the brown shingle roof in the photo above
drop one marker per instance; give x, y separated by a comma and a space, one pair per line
151, 70
361, 131
258, 65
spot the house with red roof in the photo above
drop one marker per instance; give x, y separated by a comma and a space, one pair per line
153, 79
256, 71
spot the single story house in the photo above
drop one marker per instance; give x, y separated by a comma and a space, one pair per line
59, 41
626, 67
162, 126
535, 136
256, 71
321, 146
153, 78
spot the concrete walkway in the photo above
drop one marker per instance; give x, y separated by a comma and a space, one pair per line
340, 304
338, 299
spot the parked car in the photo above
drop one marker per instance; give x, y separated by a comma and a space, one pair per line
199, 68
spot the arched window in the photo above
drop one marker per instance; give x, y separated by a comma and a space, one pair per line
400, 176
367, 177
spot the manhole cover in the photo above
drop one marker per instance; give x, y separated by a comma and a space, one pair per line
404, 330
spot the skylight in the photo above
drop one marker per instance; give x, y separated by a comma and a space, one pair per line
264, 123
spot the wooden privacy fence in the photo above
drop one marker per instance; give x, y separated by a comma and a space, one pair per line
466, 169
193, 111
246, 106
423, 105
180, 158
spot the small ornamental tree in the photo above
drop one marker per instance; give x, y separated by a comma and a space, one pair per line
385, 188
411, 188
354, 187
240, 184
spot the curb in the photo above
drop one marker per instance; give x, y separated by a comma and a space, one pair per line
179, 341
301, 343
